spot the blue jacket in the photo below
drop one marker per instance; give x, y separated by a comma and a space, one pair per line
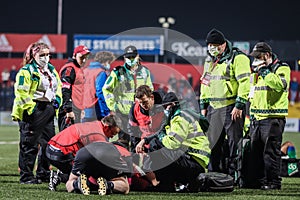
101, 110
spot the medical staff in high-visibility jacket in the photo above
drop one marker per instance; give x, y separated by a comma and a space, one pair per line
224, 93
38, 97
269, 107
184, 148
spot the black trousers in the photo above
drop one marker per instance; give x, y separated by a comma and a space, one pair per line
221, 126
101, 159
35, 132
172, 166
61, 161
62, 117
266, 139
58, 159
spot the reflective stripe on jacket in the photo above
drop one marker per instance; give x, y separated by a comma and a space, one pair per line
119, 88
185, 132
270, 97
229, 80
27, 82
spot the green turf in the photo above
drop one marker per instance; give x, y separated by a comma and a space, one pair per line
11, 189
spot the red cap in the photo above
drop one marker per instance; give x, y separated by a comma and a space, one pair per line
81, 49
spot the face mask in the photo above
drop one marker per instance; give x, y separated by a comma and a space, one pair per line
257, 62
132, 63
43, 61
167, 112
213, 50
107, 67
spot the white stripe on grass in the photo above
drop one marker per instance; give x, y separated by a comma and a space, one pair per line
10, 142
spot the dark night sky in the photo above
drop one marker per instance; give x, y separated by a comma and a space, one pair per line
238, 20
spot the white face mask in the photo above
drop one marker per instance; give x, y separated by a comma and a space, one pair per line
43, 61
258, 62
213, 50
132, 63
107, 67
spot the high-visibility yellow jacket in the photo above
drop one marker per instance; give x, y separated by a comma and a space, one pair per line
229, 80
27, 82
269, 91
183, 131
119, 87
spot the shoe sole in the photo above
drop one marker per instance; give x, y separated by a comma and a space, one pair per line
85, 190
28, 182
102, 186
51, 185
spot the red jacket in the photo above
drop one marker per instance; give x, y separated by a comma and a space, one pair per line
71, 139
147, 123
90, 75
77, 87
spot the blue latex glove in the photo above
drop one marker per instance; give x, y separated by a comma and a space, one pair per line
55, 104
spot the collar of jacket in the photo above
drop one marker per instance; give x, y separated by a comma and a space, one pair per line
227, 54
74, 61
35, 65
276, 63
96, 64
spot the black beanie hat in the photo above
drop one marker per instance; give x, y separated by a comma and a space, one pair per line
215, 37
169, 98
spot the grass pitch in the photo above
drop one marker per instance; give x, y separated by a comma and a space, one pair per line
11, 189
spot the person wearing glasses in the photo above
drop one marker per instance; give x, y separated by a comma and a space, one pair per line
72, 78
37, 98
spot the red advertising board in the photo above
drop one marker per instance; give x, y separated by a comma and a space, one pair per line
19, 42
160, 71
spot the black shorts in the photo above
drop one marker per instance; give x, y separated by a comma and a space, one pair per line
58, 159
100, 159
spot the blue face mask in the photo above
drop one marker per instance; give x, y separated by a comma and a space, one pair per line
107, 67
133, 62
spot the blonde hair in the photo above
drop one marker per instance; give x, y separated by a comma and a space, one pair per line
32, 50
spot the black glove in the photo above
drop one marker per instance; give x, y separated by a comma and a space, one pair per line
264, 71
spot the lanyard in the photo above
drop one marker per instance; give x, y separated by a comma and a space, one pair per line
214, 64
45, 73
